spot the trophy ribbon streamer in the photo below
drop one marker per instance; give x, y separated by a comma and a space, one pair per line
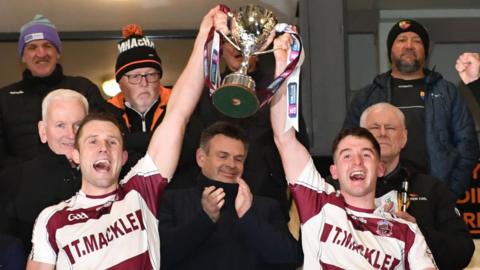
291, 74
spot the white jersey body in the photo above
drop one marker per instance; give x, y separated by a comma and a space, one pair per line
336, 235
114, 231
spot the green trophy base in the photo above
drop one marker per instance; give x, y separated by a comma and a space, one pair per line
235, 101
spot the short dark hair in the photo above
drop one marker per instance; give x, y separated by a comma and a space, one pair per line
97, 116
222, 128
358, 132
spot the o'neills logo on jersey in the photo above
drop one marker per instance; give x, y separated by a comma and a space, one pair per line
90, 243
135, 42
375, 258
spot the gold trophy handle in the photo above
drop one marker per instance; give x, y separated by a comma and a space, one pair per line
230, 41
265, 52
227, 36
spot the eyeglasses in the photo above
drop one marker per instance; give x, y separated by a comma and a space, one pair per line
137, 78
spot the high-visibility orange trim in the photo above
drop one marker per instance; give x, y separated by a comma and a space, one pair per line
164, 94
137, 62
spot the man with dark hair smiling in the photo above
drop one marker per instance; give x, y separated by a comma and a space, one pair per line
219, 223
111, 224
343, 229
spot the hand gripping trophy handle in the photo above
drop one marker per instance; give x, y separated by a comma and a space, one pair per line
228, 36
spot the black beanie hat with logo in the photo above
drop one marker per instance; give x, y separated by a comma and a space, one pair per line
135, 51
407, 25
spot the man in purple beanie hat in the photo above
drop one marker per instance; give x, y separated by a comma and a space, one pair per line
39, 47
39, 28
441, 132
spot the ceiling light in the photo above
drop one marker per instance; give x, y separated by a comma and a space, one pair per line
110, 88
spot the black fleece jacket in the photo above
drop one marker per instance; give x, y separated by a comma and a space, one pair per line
21, 109
34, 185
190, 240
433, 206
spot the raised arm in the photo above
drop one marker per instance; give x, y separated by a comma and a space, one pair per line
164, 147
34, 265
294, 155
468, 67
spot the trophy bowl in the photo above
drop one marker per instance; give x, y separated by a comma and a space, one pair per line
250, 30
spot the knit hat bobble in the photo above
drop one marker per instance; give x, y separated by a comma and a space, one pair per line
135, 51
40, 28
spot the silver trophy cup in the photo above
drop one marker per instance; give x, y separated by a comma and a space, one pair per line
250, 30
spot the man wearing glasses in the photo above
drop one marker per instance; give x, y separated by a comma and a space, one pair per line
141, 105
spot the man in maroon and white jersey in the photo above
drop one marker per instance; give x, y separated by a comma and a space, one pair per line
342, 229
112, 225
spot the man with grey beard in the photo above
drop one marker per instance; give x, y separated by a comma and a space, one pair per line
442, 139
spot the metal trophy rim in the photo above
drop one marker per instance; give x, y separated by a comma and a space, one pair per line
236, 99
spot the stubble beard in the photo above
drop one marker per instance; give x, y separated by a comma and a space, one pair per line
407, 67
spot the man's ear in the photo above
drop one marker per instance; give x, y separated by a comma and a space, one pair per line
42, 131
381, 169
404, 138
333, 171
76, 156
124, 157
200, 155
